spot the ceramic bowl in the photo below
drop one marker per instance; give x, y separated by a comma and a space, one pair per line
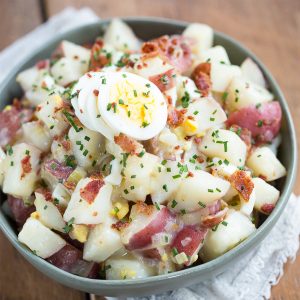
147, 28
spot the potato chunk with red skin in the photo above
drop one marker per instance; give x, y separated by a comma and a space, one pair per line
19, 209
147, 222
11, 121
189, 240
263, 121
70, 259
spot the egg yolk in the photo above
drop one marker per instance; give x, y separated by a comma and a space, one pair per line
132, 101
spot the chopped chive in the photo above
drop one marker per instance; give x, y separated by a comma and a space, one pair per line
174, 203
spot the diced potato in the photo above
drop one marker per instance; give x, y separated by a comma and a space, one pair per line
66, 70
151, 66
48, 213
202, 187
225, 170
138, 173
50, 112
2, 165
207, 113
27, 78
87, 146
224, 144
186, 85
242, 93
79, 232
21, 170
234, 229
217, 54
40, 239
76, 176
263, 162
252, 72
164, 186
103, 241
265, 194
96, 210
222, 75
37, 135
42, 87
115, 176
127, 268
120, 36
76, 52
202, 36
62, 195
60, 152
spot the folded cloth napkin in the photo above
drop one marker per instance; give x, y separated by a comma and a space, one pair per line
252, 277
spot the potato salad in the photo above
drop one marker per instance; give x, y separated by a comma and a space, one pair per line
126, 159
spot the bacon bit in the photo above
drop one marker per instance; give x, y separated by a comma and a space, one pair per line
128, 144
242, 183
151, 253
38, 108
76, 57
177, 147
45, 192
267, 208
44, 84
96, 92
120, 225
91, 190
143, 208
66, 145
70, 185
176, 117
191, 118
95, 214
190, 174
89, 75
243, 133
201, 76
200, 160
26, 166
214, 219
81, 110
139, 67
98, 59
164, 81
150, 47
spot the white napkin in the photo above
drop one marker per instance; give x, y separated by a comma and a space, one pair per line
251, 278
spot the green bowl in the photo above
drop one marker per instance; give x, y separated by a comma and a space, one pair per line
147, 28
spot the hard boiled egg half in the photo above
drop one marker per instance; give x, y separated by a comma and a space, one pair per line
120, 102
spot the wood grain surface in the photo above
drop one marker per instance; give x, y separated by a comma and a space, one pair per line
270, 28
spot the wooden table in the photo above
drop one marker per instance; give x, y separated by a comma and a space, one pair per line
270, 28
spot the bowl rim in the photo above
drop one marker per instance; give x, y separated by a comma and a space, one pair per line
240, 249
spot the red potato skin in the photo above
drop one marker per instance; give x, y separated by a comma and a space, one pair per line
70, 260
57, 169
263, 122
20, 211
193, 235
11, 121
143, 238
